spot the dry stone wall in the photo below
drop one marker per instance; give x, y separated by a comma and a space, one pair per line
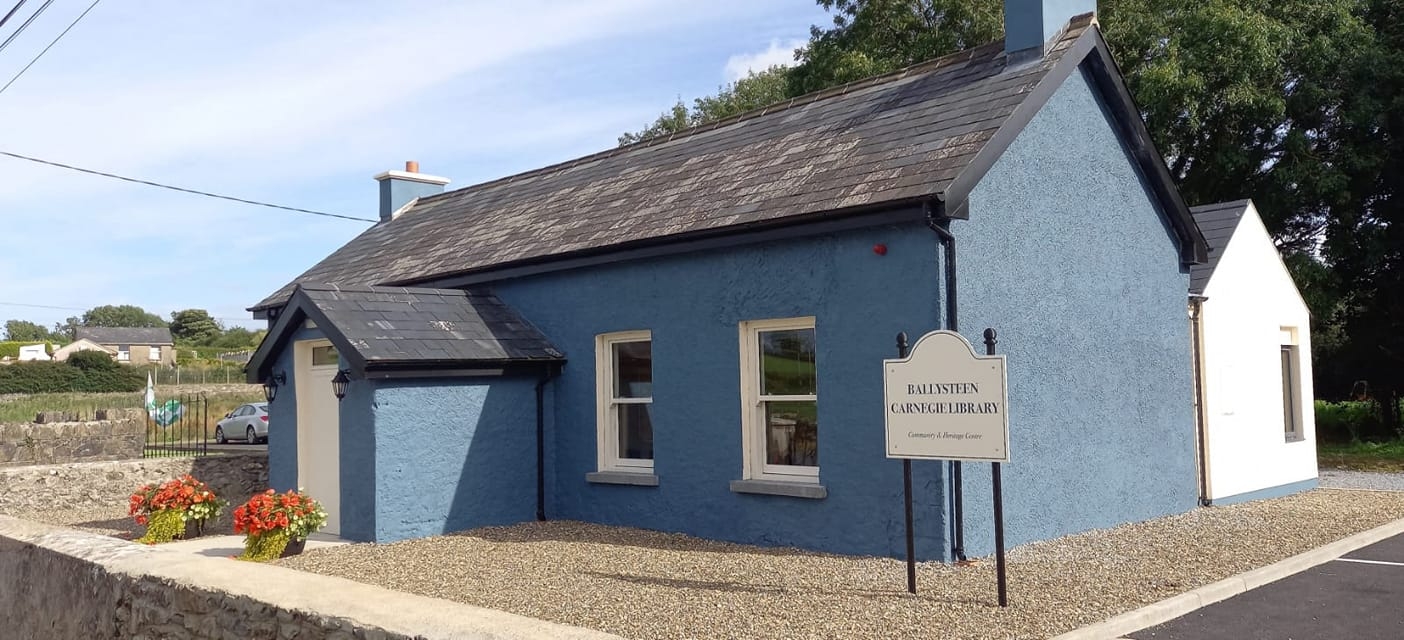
119, 438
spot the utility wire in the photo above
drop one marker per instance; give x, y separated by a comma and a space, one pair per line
12, 12
182, 189
51, 44
49, 306
24, 25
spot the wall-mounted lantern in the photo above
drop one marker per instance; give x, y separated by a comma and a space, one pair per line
270, 386
339, 384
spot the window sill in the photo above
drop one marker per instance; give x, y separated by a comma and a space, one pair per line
622, 477
1292, 439
777, 488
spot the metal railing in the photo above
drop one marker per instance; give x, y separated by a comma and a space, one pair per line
178, 426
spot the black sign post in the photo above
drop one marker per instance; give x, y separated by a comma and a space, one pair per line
907, 491
990, 336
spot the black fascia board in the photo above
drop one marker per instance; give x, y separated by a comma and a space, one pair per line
894, 212
1091, 49
462, 369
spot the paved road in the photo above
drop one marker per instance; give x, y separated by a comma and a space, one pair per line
1355, 597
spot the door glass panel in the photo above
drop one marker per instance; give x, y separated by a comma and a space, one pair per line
322, 356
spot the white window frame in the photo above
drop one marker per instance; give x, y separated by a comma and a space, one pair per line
1293, 430
124, 355
153, 354
754, 466
606, 418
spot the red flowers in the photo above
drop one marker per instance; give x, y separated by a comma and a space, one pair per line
272, 511
181, 494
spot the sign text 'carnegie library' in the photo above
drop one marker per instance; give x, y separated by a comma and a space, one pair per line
943, 401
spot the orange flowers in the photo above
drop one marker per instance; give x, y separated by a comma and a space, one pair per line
269, 511
182, 494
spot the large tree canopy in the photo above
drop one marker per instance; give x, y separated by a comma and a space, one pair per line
26, 331
194, 326
1294, 103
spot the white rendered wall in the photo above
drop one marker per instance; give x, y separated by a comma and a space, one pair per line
1251, 297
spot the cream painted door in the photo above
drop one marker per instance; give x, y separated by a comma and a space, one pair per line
318, 428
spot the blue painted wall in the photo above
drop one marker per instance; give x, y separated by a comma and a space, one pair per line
358, 444
1067, 256
693, 304
451, 455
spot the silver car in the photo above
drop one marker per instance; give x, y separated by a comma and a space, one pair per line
248, 422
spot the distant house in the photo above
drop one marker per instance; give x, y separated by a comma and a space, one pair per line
133, 345
1252, 346
33, 352
687, 334
82, 344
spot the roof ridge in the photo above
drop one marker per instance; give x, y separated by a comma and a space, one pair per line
777, 107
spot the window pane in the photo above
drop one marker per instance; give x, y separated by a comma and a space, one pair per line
324, 356
1289, 391
633, 369
787, 362
635, 431
792, 433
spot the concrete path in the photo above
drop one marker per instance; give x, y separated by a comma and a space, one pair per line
1353, 597
226, 546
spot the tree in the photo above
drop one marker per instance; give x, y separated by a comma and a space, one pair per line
194, 326
238, 338
125, 315
25, 331
757, 89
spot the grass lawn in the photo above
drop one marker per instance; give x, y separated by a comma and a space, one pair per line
22, 408
1362, 456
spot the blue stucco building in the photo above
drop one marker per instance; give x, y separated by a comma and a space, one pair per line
686, 334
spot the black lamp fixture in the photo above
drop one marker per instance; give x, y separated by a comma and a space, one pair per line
270, 386
339, 384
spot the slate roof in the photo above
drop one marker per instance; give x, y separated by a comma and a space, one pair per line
126, 335
1216, 222
395, 327
922, 134
898, 137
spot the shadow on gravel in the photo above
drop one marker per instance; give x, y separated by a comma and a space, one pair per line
582, 532
775, 589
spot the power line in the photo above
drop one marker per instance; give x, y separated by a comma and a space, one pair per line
49, 306
24, 25
51, 44
11, 14
181, 189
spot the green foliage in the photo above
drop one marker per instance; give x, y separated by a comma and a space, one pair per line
163, 526
756, 90
124, 315
1345, 421
26, 331
59, 377
265, 547
194, 326
92, 361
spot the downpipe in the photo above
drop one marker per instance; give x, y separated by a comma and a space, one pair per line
1201, 419
546, 377
937, 221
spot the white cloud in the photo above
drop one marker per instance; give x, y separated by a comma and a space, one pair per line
778, 53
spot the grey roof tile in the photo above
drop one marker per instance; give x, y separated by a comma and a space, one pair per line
894, 138
1216, 222
126, 335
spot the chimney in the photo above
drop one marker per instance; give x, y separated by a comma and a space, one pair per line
1030, 24
398, 188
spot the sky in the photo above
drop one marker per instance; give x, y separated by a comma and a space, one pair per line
300, 104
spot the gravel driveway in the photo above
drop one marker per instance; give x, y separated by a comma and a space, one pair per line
643, 584
1344, 479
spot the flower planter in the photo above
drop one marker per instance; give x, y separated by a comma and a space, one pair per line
193, 529
294, 547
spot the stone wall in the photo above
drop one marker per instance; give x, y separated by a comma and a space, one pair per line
95, 494
119, 438
64, 583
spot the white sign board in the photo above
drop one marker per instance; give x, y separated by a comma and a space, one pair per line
945, 402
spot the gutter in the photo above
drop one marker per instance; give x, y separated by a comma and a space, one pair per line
938, 221
1201, 418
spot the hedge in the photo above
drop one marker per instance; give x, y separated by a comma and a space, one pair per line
60, 377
